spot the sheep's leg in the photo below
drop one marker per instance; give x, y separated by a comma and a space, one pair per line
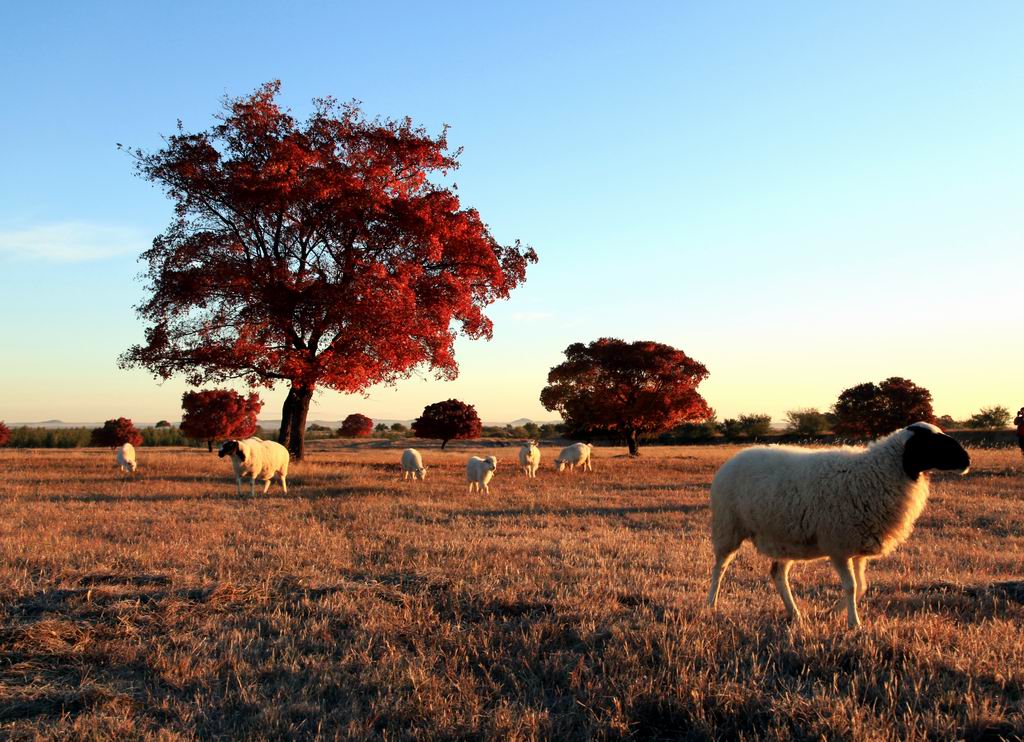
859, 563
844, 568
780, 574
723, 558
252, 486
238, 484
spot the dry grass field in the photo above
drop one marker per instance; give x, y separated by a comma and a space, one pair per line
571, 606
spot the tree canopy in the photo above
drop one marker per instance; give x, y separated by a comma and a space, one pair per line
219, 414
627, 389
115, 433
356, 426
996, 416
448, 420
321, 253
871, 410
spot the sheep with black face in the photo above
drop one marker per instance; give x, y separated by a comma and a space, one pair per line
847, 505
255, 458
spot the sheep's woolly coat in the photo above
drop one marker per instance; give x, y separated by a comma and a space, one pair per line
412, 465
578, 454
529, 459
255, 458
479, 472
795, 503
125, 458
849, 505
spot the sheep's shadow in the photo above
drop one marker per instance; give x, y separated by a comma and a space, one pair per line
1006, 473
309, 490
576, 512
966, 603
98, 497
87, 602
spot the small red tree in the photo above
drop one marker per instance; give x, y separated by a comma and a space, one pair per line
323, 253
219, 413
116, 433
5, 434
448, 420
356, 426
625, 389
871, 410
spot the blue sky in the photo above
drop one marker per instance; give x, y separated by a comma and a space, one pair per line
803, 197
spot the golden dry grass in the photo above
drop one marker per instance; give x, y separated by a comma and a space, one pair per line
360, 606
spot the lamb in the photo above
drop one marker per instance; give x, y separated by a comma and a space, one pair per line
255, 457
479, 472
529, 459
412, 465
578, 454
848, 505
125, 457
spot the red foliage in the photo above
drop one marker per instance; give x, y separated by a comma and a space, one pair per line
356, 426
116, 433
322, 253
870, 410
448, 420
625, 389
5, 434
218, 414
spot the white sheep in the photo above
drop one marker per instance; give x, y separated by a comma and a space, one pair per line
529, 459
848, 505
479, 472
412, 465
125, 457
256, 458
578, 454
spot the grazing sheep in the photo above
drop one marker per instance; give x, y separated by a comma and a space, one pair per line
479, 472
256, 458
529, 459
412, 465
848, 505
578, 454
125, 457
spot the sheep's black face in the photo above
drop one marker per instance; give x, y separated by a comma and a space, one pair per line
229, 448
930, 448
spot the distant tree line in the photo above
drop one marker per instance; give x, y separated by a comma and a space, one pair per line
667, 380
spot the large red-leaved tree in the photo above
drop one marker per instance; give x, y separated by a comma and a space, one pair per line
448, 420
115, 433
625, 389
214, 414
872, 410
5, 434
356, 426
325, 253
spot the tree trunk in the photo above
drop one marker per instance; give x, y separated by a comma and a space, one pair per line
300, 409
209, 445
444, 443
633, 441
284, 435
